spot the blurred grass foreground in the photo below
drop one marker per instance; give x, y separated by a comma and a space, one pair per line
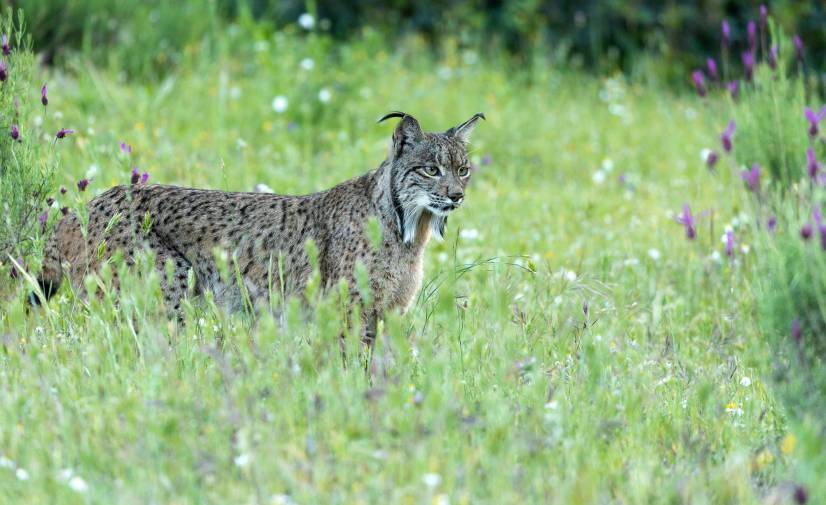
630, 308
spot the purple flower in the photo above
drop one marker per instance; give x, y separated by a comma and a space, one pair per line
733, 88
729, 243
725, 137
711, 66
49, 201
43, 98
751, 28
812, 165
585, 307
137, 177
771, 223
62, 190
13, 273
801, 496
4, 74
125, 148
798, 47
711, 159
752, 177
81, 184
764, 14
699, 82
62, 133
64, 210
726, 29
806, 231
6, 47
748, 64
814, 119
15, 132
486, 160
821, 226
42, 218
687, 220
773, 56
797, 332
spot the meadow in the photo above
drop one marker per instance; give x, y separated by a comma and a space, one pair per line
573, 341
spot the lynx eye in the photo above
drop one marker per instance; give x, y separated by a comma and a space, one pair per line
431, 171
463, 171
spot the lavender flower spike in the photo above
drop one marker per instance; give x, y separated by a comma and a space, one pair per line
711, 66
812, 166
135, 175
43, 98
771, 224
798, 47
63, 132
81, 184
752, 177
752, 31
814, 119
699, 79
764, 16
15, 132
726, 30
144, 177
806, 231
687, 220
734, 89
729, 243
725, 137
6, 47
748, 64
4, 73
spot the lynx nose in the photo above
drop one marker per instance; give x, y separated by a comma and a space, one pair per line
456, 197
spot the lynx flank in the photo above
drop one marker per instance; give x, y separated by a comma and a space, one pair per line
411, 194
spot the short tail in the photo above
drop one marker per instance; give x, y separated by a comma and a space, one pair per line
50, 276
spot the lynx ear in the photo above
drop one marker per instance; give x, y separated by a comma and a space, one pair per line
463, 131
407, 133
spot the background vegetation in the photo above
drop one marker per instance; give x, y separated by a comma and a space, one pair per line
615, 316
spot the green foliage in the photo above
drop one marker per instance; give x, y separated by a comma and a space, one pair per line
27, 164
658, 40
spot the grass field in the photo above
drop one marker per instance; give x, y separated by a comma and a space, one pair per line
570, 344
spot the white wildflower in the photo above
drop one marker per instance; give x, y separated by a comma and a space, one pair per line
570, 275
654, 254
92, 171
469, 234
432, 480
77, 483
307, 64
745, 382
598, 177
324, 95
306, 21
242, 460
22, 474
262, 188
280, 104
704, 154
608, 164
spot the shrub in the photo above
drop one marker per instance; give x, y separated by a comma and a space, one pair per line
27, 161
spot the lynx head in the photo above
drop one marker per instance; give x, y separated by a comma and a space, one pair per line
428, 172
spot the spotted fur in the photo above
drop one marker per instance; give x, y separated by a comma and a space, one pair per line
411, 194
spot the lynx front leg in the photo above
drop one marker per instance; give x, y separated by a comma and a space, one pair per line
173, 287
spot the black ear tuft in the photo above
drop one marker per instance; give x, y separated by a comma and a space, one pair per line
463, 131
407, 133
392, 114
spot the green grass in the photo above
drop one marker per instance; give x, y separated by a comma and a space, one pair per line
496, 387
